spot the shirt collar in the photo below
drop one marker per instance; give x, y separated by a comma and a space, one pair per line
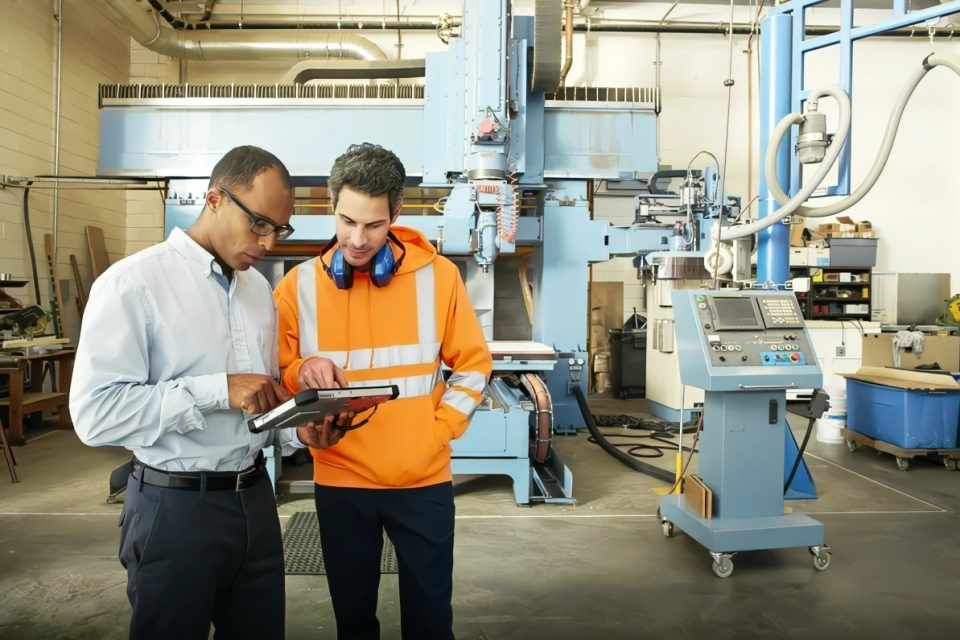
191, 250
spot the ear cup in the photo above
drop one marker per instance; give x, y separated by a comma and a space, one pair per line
383, 266
340, 271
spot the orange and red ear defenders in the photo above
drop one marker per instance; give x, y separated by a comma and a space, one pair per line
382, 267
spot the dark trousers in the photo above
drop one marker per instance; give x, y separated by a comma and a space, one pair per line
201, 557
420, 525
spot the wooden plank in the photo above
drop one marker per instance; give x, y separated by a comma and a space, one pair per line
57, 301
99, 258
81, 293
42, 341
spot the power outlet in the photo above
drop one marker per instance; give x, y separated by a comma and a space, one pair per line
841, 351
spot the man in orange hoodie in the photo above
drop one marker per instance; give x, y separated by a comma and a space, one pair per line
393, 312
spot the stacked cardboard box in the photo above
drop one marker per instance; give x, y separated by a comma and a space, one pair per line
845, 227
599, 351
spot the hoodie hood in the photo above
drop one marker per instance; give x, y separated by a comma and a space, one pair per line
420, 251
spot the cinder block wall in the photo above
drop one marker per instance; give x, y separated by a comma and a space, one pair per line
94, 51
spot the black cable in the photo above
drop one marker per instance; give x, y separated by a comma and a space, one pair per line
26, 226
796, 463
620, 456
659, 431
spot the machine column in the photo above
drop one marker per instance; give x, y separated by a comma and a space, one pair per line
773, 255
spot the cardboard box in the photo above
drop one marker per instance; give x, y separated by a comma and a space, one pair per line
856, 308
799, 257
797, 230
598, 338
698, 495
846, 227
819, 256
596, 316
942, 350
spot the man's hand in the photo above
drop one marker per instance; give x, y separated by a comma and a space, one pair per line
320, 436
254, 392
321, 373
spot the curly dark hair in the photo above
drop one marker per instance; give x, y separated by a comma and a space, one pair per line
368, 168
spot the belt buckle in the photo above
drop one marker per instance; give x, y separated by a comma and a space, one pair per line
240, 476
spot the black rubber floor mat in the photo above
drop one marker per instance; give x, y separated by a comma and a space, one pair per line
302, 554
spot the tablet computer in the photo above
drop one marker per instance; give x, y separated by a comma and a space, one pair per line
313, 405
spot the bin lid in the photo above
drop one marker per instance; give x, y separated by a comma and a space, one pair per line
635, 322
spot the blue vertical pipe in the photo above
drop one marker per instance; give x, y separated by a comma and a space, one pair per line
773, 255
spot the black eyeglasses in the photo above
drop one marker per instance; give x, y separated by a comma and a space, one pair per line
260, 225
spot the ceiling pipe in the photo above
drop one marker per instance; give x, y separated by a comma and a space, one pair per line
743, 29
246, 45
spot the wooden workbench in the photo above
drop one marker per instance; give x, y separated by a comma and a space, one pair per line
27, 396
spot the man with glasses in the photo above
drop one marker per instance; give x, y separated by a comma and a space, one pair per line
178, 348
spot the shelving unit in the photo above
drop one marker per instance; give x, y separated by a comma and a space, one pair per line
837, 293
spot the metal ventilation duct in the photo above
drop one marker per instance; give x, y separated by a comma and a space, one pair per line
148, 30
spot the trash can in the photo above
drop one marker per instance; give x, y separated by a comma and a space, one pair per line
628, 363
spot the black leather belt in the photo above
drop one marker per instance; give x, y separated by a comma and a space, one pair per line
216, 480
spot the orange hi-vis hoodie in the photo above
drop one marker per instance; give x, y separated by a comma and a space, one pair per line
398, 334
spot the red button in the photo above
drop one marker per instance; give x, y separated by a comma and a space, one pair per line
794, 356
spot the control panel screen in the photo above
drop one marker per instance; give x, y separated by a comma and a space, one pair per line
760, 330
736, 313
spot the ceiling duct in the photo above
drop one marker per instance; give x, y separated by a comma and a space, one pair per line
307, 70
149, 31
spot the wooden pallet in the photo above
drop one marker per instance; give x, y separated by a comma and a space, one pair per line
854, 439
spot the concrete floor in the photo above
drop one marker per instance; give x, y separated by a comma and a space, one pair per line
600, 569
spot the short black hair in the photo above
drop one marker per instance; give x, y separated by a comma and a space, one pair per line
370, 169
237, 170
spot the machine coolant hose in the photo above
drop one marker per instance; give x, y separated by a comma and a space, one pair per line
931, 61
540, 448
789, 206
628, 460
782, 128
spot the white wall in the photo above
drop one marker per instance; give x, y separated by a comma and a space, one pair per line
913, 207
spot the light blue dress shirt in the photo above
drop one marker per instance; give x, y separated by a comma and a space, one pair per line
161, 331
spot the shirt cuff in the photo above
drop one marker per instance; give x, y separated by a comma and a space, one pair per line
289, 441
209, 391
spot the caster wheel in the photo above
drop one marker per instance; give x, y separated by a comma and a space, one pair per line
950, 464
903, 463
821, 558
667, 527
852, 445
723, 568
